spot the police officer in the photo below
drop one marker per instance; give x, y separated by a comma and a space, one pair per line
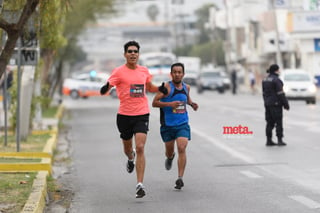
274, 99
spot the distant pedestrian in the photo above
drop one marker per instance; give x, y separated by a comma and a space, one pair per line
132, 81
274, 99
5, 86
252, 79
174, 119
234, 81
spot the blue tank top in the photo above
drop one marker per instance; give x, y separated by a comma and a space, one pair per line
178, 116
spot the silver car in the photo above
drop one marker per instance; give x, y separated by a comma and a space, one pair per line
210, 80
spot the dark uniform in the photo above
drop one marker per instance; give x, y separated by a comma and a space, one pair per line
5, 89
274, 99
234, 81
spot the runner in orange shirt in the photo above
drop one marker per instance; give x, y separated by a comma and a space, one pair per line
132, 81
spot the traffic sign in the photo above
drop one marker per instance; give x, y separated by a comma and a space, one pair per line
28, 57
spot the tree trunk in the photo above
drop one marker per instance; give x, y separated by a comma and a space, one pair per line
47, 56
14, 31
57, 79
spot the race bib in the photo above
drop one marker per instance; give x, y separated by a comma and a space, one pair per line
181, 108
137, 90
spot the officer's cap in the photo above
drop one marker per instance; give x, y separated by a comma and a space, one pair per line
273, 68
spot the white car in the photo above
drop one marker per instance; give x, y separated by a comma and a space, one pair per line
299, 85
84, 85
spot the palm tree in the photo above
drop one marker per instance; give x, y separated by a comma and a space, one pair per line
153, 12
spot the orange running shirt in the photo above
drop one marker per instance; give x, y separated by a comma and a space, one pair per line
131, 89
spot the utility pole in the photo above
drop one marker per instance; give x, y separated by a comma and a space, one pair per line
278, 51
231, 35
228, 37
18, 113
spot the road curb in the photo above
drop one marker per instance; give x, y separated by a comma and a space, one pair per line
44, 165
37, 199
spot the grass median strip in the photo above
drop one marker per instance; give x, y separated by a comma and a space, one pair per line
22, 173
33, 143
14, 190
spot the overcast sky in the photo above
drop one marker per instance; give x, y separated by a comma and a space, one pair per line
136, 12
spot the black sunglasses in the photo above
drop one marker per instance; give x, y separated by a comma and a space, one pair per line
132, 51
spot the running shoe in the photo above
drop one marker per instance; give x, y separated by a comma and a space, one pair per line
168, 162
130, 163
179, 183
140, 192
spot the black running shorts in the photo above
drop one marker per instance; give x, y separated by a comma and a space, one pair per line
129, 125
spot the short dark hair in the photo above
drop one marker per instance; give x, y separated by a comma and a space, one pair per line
178, 64
131, 43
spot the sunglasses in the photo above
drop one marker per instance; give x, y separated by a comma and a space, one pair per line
132, 51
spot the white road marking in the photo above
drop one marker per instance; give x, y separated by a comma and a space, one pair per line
224, 147
311, 204
250, 174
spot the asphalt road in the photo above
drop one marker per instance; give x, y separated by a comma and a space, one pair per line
225, 172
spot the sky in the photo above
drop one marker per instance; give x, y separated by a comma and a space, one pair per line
136, 12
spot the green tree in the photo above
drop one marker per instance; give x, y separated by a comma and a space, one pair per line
210, 44
58, 25
15, 30
204, 51
202, 19
61, 21
184, 50
82, 13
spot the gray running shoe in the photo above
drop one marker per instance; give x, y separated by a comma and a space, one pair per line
130, 163
179, 183
140, 192
168, 162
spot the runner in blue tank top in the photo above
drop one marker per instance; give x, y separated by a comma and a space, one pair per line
174, 119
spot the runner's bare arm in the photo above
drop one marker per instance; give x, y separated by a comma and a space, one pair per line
194, 105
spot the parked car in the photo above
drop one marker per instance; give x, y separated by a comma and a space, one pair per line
210, 80
84, 85
190, 77
299, 85
226, 80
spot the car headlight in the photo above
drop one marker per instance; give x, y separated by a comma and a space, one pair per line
312, 88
